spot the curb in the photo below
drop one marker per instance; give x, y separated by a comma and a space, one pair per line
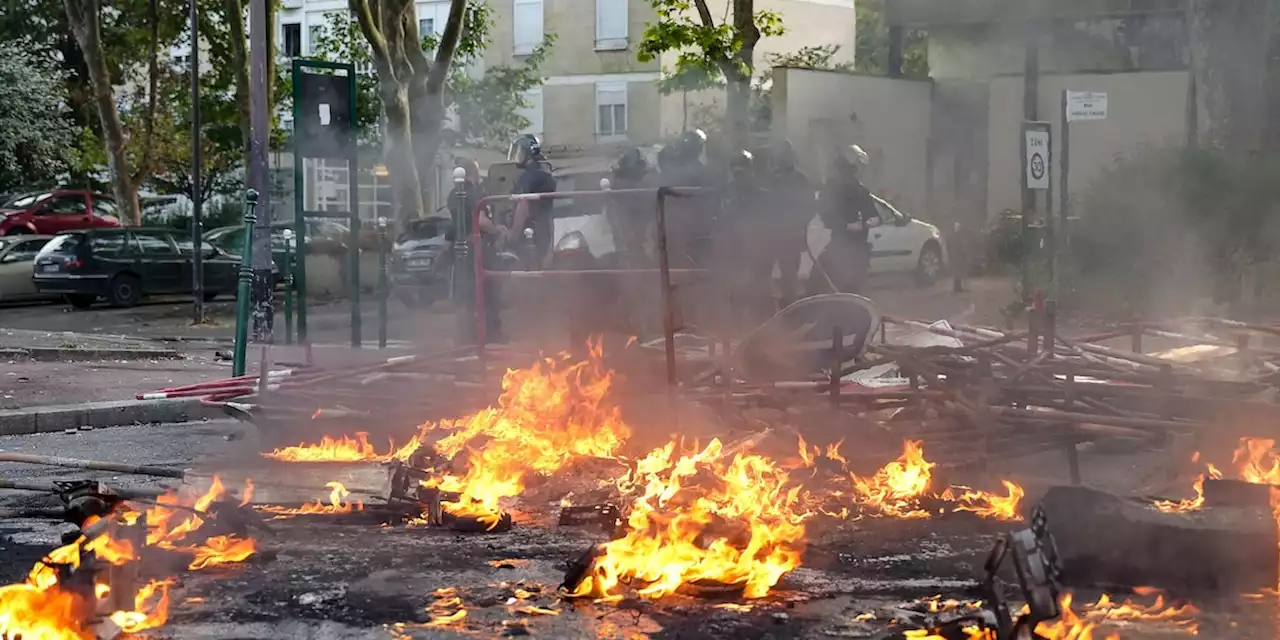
59, 354
112, 413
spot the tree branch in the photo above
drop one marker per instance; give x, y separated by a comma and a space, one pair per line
448, 44
704, 13
369, 27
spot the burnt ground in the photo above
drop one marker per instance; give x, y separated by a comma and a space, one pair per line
353, 576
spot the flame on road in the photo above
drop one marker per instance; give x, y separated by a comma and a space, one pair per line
703, 518
344, 449
42, 609
1182, 617
338, 503
175, 517
548, 414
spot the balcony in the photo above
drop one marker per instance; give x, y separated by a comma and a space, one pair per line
922, 14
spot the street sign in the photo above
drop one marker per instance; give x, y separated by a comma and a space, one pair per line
1037, 158
1086, 105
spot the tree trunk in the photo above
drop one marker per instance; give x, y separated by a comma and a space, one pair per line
398, 150
239, 46
84, 17
738, 75
737, 111
1229, 47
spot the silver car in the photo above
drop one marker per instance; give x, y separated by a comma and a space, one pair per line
17, 254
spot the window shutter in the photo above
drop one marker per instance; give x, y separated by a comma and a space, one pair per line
611, 121
611, 25
527, 25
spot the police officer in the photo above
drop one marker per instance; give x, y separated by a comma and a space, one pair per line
743, 246
630, 218
526, 152
790, 199
848, 210
689, 220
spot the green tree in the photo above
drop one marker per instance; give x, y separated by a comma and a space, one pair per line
486, 109
35, 134
711, 53
871, 53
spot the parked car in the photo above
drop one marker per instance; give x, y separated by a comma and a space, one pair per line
421, 261
17, 257
231, 239
49, 212
125, 264
901, 245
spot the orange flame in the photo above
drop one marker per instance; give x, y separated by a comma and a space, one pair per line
1069, 626
987, 505
330, 450
169, 523
146, 614
1104, 610
337, 504
29, 611
895, 490
548, 414
703, 518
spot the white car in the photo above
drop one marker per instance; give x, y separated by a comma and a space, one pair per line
16, 256
900, 245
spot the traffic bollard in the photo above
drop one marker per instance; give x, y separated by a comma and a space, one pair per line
288, 286
245, 286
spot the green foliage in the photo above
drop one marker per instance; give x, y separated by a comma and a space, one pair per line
707, 52
487, 107
35, 134
872, 45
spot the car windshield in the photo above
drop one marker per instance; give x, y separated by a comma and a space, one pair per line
25, 200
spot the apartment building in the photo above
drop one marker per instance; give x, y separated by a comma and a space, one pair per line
597, 93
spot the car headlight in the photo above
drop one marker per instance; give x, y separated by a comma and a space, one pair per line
573, 241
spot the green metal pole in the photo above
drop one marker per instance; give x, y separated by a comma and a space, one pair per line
384, 283
288, 286
245, 289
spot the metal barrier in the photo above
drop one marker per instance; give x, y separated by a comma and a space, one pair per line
664, 270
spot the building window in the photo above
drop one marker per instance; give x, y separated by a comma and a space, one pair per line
426, 27
611, 25
533, 112
292, 40
611, 109
314, 33
527, 19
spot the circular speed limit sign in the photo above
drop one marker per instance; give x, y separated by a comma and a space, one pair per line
1037, 166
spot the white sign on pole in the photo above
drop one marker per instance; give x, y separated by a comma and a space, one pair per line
1037, 155
1086, 105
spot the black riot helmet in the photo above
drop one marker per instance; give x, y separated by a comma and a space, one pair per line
783, 157
525, 150
692, 143
631, 164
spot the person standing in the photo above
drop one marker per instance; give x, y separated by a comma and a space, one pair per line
791, 204
846, 208
630, 217
526, 152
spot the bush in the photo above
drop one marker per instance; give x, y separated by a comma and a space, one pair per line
1003, 243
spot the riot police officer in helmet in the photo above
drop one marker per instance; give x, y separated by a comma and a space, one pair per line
848, 210
526, 153
791, 199
630, 217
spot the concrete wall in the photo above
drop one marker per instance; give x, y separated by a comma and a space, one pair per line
821, 110
1145, 110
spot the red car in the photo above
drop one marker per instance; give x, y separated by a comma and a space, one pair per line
48, 212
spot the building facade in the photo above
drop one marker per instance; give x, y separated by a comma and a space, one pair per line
597, 93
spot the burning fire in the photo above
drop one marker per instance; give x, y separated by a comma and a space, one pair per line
547, 415
42, 609
897, 489
1104, 610
1069, 626
174, 517
331, 450
337, 504
703, 518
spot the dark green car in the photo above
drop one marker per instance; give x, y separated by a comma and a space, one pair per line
231, 239
124, 264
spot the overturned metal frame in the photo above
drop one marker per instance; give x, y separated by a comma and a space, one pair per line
664, 270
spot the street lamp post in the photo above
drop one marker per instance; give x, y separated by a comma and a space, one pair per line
197, 223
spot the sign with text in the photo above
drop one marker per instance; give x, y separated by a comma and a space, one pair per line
1086, 105
1037, 158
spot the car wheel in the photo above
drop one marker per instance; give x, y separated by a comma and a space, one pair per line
81, 300
125, 291
929, 267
